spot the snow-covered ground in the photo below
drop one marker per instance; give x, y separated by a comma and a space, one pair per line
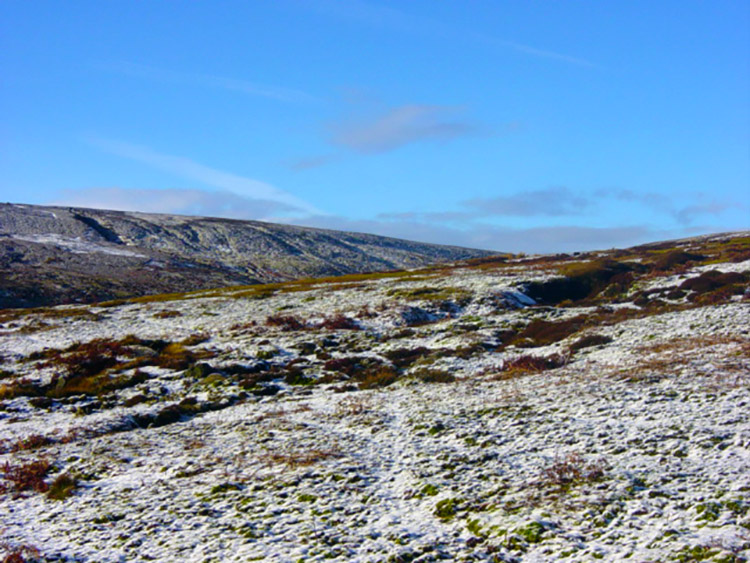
635, 449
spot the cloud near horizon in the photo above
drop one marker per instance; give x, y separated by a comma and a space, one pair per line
556, 201
174, 201
471, 227
562, 202
501, 239
241, 186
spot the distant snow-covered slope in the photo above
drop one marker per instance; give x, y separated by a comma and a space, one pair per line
52, 255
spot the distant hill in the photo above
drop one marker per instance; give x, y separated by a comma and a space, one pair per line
55, 255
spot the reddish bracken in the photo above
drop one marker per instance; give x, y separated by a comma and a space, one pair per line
286, 322
27, 477
339, 322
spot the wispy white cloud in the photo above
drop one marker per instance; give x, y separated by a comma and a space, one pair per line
209, 81
384, 17
306, 163
191, 170
173, 201
536, 52
372, 129
400, 126
685, 209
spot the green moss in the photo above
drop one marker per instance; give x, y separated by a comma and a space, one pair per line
475, 527
695, 553
427, 293
107, 518
213, 380
736, 506
224, 488
446, 509
247, 531
429, 490
532, 532
436, 429
298, 378
708, 511
198, 371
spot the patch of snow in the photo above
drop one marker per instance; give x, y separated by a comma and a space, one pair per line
78, 246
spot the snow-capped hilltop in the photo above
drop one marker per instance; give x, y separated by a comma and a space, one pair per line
54, 255
541, 409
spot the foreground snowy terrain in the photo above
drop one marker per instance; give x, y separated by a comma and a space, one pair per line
575, 408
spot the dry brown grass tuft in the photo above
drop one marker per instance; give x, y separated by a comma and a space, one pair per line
19, 553
381, 377
26, 477
353, 406
32, 442
286, 323
729, 360
572, 469
340, 322
525, 365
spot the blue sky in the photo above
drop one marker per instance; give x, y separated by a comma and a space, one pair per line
509, 125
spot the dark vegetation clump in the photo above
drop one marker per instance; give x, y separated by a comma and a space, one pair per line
352, 365
294, 373
20, 553
135, 400
339, 322
96, 367
177, 356
92, 358
542, 333
589, 341
184, 410
32, 442
252, 377
433, 375
463, 352
584, 281
416, 316
488, 262
193, 339
167, 314
567, 471
380, 377
26, 477
731, 282
528, 364
369, 372
404, 357
62, 487
286, 322
91, 385
674, 258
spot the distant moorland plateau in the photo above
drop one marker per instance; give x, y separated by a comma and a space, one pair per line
56, 255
